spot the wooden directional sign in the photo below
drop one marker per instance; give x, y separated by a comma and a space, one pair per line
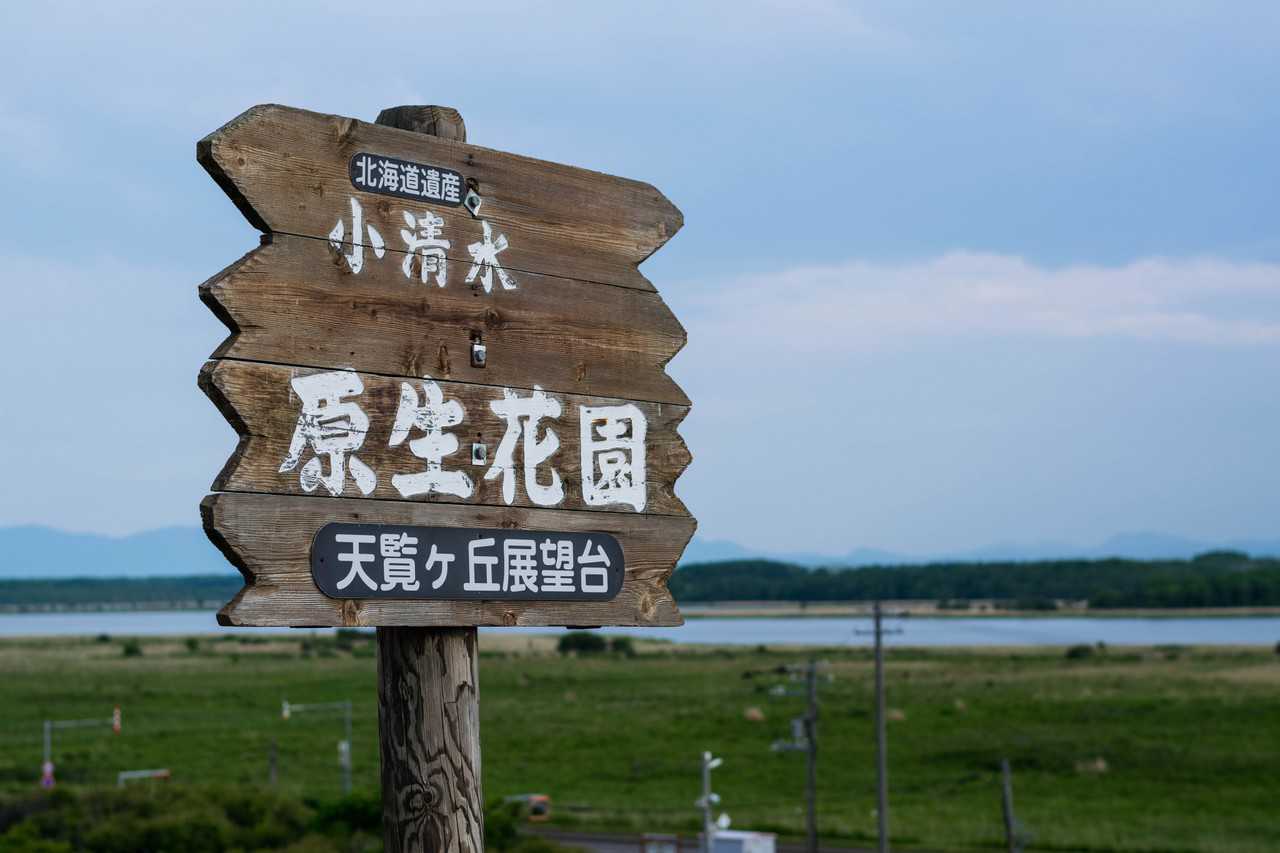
448, 377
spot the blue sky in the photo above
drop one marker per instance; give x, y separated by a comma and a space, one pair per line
953, 273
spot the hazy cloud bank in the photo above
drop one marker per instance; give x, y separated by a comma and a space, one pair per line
860, 305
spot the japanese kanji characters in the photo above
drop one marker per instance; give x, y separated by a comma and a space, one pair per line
355, 559
398, 566
390, 561
409, 179
425, 247
432, 415
528, 565
522, 415
595, 569
355, 258
483, 562
519, 565
484, 260
557, 565
613, 458
330, 427
368, 172
431, 185
450, 188
390, 176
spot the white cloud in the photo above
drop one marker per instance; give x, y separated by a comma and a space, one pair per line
859, 305
947, 403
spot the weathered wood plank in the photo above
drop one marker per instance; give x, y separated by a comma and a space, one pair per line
291, 302
268, 537
287, 171
429, 737
260, 401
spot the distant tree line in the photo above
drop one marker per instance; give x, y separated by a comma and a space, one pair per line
73, 593
1215, 579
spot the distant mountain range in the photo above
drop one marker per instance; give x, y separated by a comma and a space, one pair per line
43, 552
1136, 546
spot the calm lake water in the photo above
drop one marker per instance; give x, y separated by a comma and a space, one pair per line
916, 631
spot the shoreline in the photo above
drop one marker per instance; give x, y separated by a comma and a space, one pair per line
774, 629
544, 643
757, 610
929, 610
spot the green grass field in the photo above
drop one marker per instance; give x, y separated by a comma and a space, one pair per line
1153, 749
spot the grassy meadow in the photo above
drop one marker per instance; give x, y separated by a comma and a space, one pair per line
1165, 749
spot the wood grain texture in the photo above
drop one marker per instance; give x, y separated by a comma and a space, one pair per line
441, 122
293, 302
286, 170
259, 401
268, 537
429, 736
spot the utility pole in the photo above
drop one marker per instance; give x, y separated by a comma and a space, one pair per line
882, 741
804, 736
708, 799
811, 742
882, 746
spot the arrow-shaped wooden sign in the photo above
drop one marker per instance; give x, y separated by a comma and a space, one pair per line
436, 337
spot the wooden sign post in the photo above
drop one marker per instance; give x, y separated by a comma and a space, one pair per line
448, 378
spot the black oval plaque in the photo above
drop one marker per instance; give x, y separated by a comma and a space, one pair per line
402, 179
460, 563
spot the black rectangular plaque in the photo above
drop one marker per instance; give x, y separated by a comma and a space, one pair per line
463, 564
402, 179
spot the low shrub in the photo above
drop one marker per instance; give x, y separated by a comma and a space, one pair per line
346, 638
582, 643
1080, 652
622, 646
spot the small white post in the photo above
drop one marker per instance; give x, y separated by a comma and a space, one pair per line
708, 799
